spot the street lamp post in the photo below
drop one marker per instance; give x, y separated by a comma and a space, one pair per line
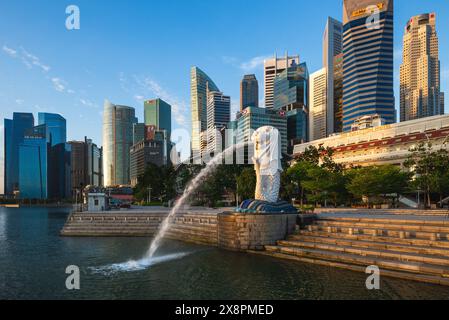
149, 195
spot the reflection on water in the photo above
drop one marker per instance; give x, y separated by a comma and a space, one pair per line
33, 260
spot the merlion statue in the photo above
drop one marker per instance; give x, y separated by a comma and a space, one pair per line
267, 163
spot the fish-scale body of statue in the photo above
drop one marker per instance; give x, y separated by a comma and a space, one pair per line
267, 163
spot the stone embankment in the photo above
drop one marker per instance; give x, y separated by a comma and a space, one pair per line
234, 231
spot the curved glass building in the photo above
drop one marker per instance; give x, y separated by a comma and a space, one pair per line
367, 60
200, 83
117, 141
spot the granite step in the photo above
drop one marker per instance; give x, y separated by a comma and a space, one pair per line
433, 279
410, 221
378, 231
355, 259
381, 225
444, 244
368, 243
370, 252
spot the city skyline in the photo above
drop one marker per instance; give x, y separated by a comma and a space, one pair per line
50, 78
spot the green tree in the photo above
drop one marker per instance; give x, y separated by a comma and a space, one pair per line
378, 181
246, 183
431, 169
296, 175
161, 180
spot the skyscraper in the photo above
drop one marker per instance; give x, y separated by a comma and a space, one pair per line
273, 67
154, 149
33, 164
367, 60
59, 158
332, 47
291, 95
218, 109
138, 132
318, 105
157, 113
253, 118
249, 92
14, 133
56, 126
218, 116
338, 94
86, 164
117, 140
199, 84
420, 69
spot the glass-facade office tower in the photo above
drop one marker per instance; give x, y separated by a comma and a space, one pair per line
253, 118
117, 141
200, 83
249, 92
138, 132
367, 60
33, 164
420, 69
56, 126
59, 176
291, 94
157, 113
273, 67
14, 133
338, 93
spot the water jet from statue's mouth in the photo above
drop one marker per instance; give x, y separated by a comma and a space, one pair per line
136, 265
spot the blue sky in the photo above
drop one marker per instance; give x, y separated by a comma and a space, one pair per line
127, 51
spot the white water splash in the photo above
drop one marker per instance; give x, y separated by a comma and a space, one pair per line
191, 187
136, 265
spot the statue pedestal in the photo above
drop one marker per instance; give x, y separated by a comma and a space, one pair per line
246, 231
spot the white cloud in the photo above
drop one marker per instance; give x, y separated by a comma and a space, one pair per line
19, 101
88, 103
28, 59
31, 60
11, 52
254, 63
179, 107
246, 66
58, 84
147, 87
139, 98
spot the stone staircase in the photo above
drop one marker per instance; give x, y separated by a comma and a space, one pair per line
412, 248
